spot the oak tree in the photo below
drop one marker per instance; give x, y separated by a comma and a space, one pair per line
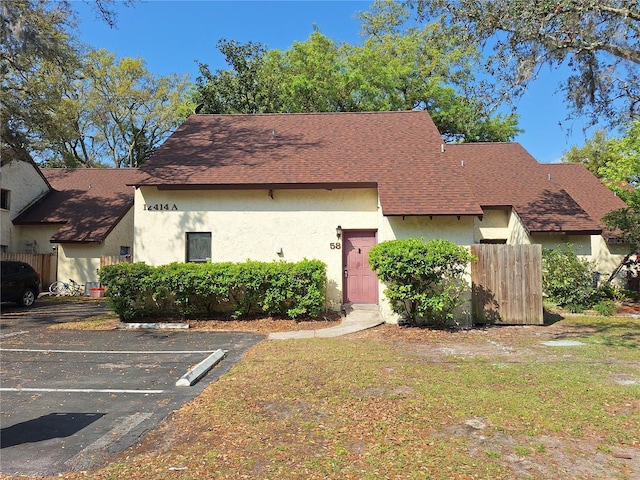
596, 40
398, 66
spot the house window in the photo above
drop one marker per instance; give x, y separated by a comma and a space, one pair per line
5, 197
125, 250
494, 241
4, 248
198, 247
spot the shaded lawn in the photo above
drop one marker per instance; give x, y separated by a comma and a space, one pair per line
405, 404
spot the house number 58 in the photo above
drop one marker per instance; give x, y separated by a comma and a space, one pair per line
335, 246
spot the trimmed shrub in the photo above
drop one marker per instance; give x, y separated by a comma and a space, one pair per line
569, 280
200, 290
425, 280
127, 285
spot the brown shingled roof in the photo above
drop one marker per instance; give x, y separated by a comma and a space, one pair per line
586, 189
399, 152
87, 203
505, 174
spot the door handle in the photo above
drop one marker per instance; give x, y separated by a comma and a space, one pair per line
346, 274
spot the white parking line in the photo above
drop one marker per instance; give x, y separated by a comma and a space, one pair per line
109, 352
79, 390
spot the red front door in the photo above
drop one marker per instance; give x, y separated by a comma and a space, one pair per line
360, 282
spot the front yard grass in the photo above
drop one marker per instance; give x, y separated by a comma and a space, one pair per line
413, 404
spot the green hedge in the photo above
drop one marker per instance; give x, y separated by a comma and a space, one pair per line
196, 290
425, 280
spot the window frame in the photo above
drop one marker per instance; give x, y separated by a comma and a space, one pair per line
5, 199
204, 236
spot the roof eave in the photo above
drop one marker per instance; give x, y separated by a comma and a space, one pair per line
564, 232
261, 186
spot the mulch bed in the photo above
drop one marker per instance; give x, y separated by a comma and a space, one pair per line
269, 324
629, 309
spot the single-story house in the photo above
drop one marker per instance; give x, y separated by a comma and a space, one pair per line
86, 215
331, 185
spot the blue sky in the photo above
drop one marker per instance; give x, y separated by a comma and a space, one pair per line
172, 35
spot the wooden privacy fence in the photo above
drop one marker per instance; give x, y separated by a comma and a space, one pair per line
507, 284
114, 259
44, 264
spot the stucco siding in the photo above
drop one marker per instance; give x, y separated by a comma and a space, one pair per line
79, 261
34, 238
494, 225
291, 226
26, 186
120, 236
608, 256
518, 234
581, 243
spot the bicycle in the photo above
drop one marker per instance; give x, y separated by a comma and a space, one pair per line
71, 289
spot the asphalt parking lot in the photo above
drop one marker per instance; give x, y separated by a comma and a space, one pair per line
71, 399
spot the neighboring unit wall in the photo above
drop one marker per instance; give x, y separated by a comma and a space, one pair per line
594, 248
581, 243
518, 234
26, 186
250, 224
34, 238
494, 225
608, 256
81, 261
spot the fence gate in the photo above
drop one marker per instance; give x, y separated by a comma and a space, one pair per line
114, 259
507, 284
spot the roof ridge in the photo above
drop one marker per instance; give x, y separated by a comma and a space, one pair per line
275, 114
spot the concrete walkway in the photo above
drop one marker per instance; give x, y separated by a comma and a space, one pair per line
359, 317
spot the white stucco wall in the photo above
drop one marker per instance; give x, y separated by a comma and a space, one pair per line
81, 261
594, 248
607, 257
493, 225
251, 225
34, 238
518, 234
26, 187
581, 243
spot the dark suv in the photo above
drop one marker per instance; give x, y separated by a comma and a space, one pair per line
20, 283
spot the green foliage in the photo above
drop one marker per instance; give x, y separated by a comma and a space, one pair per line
115, 112
596, 40
397, 67
425, 280
567, 279
624, 168
594, 154
127, 284
68, 106
627, 221
39, 56
203, 289
606, 308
